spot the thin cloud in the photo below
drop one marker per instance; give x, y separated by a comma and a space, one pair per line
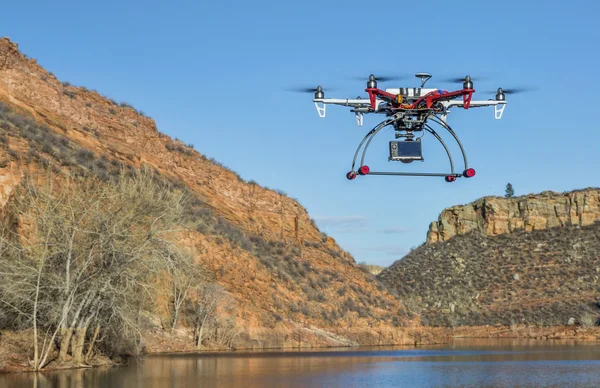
343, 223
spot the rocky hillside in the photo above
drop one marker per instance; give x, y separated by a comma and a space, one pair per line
493, 216
533, 260
291, 283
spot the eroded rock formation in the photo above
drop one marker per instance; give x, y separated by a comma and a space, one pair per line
493, 216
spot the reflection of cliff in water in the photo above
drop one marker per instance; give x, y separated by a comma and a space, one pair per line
485, 362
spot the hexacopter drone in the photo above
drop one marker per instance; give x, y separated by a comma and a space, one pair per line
409, 110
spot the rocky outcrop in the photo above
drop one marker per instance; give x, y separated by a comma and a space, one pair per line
524, 260
493, 216
374, 269
547, 277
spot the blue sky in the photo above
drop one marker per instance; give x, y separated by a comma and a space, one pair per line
214, 74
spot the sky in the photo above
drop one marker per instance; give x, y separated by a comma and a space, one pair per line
215, 74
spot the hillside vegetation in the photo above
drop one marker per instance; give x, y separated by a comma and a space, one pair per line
543, 277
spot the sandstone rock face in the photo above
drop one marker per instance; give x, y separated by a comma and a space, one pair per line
9, 178
497, 215
302, 277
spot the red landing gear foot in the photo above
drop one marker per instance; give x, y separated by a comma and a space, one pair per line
351, 175
450, 178
469, 173
364, 170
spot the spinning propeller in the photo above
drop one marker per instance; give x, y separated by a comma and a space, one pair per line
467, 81
500, 92
318, 91
372, 82
384, 78
513, 90
464, 79
306, 90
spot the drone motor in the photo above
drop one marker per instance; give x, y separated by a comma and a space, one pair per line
319, 93
468, 83
500, 95
372, 82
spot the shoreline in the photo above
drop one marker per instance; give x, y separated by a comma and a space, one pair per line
524, 332
554, 333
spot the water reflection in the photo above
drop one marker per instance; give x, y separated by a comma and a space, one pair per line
464, 363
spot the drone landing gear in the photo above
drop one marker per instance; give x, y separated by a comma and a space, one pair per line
366, 141
469, 173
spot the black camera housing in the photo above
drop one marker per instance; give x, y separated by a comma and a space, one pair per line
406, 150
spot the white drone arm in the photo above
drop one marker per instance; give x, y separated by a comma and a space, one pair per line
361, 105
499, 105
357, 103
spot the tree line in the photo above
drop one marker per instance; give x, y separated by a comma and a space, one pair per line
82, 261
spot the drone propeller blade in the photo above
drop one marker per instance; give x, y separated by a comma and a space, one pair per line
462, 79
513, 90
518, 90
302, 89
383, 78
390, 78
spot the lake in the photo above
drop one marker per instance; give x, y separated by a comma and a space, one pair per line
462, 363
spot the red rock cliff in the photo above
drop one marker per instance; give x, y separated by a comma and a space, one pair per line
328, 293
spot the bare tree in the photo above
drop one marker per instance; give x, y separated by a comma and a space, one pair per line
226, 330
181, 282
83, 253
203, 310
183, 274
212, 315
24, 269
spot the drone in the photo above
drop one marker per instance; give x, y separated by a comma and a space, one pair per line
410, 111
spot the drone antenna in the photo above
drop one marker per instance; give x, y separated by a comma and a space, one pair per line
424, 78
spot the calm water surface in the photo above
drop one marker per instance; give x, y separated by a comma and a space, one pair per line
464, 363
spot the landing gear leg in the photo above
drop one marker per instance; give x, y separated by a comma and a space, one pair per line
468, 172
